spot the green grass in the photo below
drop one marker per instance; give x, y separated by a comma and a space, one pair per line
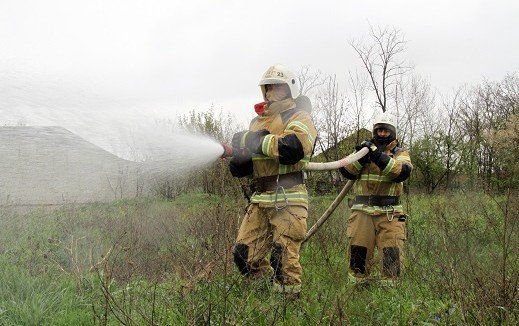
39, 299
140, 262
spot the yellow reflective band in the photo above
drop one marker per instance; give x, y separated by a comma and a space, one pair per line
311, 139
375, 177
283, 169
389, 166
404, 158
266, 144
290, 195
294, 125
273, 202
377, 210
305, 159
392, 189
242, 140
259, 157
357, 166
270, 197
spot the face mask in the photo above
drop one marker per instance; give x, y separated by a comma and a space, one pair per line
275, 95
382, 142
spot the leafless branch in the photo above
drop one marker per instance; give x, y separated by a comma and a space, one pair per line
380, 61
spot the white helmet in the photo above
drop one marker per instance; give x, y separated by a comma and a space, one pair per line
279, 74
385, 120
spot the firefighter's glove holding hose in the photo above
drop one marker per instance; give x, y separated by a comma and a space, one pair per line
240, 153
234, 169
371, 156
240, 167
237, 138
254, 140
375, 155
366, 158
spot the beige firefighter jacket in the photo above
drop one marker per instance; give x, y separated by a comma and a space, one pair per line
371, 180
286, 124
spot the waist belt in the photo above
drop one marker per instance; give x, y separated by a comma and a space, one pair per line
377, 200
271, 183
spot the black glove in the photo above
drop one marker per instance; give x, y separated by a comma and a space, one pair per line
366, 158
376, 154
240, 169
236, 139
234, 169
254, 140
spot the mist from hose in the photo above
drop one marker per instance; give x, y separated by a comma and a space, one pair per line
137, 131
161, 147
64, 143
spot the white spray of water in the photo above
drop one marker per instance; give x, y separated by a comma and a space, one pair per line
161, 146
136, 134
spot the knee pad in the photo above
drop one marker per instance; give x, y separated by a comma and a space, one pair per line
241, 254
358, 259
391, 261
275, 261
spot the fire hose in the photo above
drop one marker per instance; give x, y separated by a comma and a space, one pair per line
313, 166
316, 166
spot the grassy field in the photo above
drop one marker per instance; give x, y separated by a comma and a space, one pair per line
153, 262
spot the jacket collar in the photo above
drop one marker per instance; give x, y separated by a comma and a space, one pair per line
280, 106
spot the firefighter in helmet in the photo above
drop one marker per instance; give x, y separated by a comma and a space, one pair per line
377, 218
274, 152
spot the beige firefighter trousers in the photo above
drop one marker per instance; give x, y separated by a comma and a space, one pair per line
266, 230
386, 232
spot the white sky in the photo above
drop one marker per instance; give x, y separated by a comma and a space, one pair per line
168, 57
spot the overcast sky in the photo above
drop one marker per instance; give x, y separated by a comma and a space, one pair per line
169, 57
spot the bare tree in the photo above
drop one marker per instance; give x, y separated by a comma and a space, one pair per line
380, 58
485, 111
358, 85
331, 120
426, 162
332, 113
309, 79
451, 140
413, 98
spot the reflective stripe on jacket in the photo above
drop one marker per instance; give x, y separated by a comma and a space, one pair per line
286, 149
373, 181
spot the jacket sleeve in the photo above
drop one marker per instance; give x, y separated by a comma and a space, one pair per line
403, 166
351, 171
398, 168
295, 143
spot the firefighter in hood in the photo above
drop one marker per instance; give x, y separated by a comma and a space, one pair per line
378, 219
273, 152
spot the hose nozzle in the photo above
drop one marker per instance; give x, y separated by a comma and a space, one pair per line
227, 151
